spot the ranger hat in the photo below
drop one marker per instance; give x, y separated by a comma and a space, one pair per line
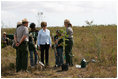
24, 20
66, 21
4, 33
19, 23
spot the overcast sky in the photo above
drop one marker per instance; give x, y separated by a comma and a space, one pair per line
54, 12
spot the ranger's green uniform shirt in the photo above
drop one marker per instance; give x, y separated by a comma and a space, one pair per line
59, 41
34, 36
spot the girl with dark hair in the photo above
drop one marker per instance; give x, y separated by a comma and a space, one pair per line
33, 33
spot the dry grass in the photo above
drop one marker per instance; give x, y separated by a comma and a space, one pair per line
85, 46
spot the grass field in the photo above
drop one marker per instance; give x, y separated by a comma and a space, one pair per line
96, 42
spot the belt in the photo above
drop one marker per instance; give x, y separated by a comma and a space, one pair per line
69, 38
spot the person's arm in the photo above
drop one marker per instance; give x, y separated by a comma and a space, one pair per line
22, 39
55, 39
70, 31
38, 40
36, 37
25, 35
60, 42
15, 38
50, 39
50, 42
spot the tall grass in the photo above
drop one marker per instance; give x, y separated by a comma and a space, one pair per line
98, 42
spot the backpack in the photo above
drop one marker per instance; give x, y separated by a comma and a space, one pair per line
83, 63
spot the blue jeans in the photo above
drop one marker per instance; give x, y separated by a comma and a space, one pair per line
32, 60
59, 56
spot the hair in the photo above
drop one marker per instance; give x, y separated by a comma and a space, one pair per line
59, 32
24, 23
43, 24
66, 21
32, 25
19, 25
69, 25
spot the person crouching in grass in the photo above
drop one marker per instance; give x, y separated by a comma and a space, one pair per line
59, 48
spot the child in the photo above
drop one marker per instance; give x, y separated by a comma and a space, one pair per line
59, 48
33, 33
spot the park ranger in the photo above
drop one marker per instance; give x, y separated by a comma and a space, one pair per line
21, 41
69, 42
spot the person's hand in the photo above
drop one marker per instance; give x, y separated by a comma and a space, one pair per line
59, 45
35, 46
50, 46
62, 34
17, 44
39, 47
4, 42
56, 41
37, 52
56, 54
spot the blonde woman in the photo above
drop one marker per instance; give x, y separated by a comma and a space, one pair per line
69, 42
44, 42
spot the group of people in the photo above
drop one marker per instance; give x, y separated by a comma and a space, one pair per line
32, 40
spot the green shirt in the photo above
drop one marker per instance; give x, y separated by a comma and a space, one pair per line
32, 39
59, 42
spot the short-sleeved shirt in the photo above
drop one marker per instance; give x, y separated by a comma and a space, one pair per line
20, 32
69, 31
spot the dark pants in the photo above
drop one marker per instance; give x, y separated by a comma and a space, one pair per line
21, 57
44, 49
68, 51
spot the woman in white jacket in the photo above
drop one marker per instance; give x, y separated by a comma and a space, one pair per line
44, 42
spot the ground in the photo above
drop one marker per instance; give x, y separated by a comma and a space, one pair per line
96, 42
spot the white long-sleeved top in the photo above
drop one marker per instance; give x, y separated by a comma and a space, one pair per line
44, 37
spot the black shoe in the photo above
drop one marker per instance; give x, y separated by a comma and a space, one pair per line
70, 65
25, 71
18, 70
47, 65
55, 66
